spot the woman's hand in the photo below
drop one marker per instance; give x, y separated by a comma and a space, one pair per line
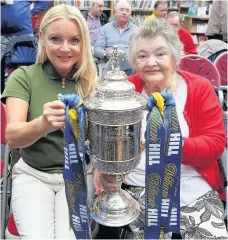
104, 182
53, 117
96, 182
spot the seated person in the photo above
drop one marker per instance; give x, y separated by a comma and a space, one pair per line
18, 22
154, 51
160, 11
95, 19
35, 118
174, 18
116, 33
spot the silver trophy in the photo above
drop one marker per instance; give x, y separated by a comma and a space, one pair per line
115, 112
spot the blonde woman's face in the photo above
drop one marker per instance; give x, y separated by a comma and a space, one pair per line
154, 60
62, 42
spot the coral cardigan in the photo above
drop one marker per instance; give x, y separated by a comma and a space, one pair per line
206, 142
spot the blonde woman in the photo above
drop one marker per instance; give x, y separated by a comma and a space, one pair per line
35, 118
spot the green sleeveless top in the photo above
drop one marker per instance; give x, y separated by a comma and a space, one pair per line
38, 84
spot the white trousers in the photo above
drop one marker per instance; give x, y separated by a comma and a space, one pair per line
39, 203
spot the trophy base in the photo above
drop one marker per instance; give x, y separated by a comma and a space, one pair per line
115, 209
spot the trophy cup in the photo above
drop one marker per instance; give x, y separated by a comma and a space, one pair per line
115, 112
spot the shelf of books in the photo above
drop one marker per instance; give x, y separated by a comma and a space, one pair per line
142, 8
84, 5
195, 12
196, 16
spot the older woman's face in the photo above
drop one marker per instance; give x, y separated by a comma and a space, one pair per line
154, 60
62, 41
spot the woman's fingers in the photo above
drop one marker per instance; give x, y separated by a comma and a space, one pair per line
53, 116
98, 187
57, 112
109, 178
104, 182
108, 182
55, 108
96, 181
53, 112
57, 119
57, 104
58, 125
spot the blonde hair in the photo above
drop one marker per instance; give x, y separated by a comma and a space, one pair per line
86, 75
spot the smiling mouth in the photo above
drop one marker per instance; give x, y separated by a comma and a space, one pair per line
152, 72
65, 58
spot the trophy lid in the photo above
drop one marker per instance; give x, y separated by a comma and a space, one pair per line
115, 92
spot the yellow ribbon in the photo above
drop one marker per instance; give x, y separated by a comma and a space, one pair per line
160, 102
73, 115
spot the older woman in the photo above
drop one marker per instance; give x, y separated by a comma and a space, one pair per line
154, 52
35, 117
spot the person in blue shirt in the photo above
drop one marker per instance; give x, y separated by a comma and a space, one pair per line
16, 18
116, 33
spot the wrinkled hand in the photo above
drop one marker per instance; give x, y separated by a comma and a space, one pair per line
104, 182
96, 182
53, 117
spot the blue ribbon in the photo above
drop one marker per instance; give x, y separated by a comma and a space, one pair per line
155, 140
163, 161
74, 173
173, 162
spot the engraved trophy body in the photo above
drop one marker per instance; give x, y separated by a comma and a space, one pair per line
115, 112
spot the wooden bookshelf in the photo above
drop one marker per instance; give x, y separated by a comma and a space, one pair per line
190, 23
86, 9
196, 25
143, 8
84, 5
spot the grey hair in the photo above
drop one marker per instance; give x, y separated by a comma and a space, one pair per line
122, 1
174, 14
151, 29
93, 2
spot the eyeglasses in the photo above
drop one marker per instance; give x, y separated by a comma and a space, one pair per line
176, 25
